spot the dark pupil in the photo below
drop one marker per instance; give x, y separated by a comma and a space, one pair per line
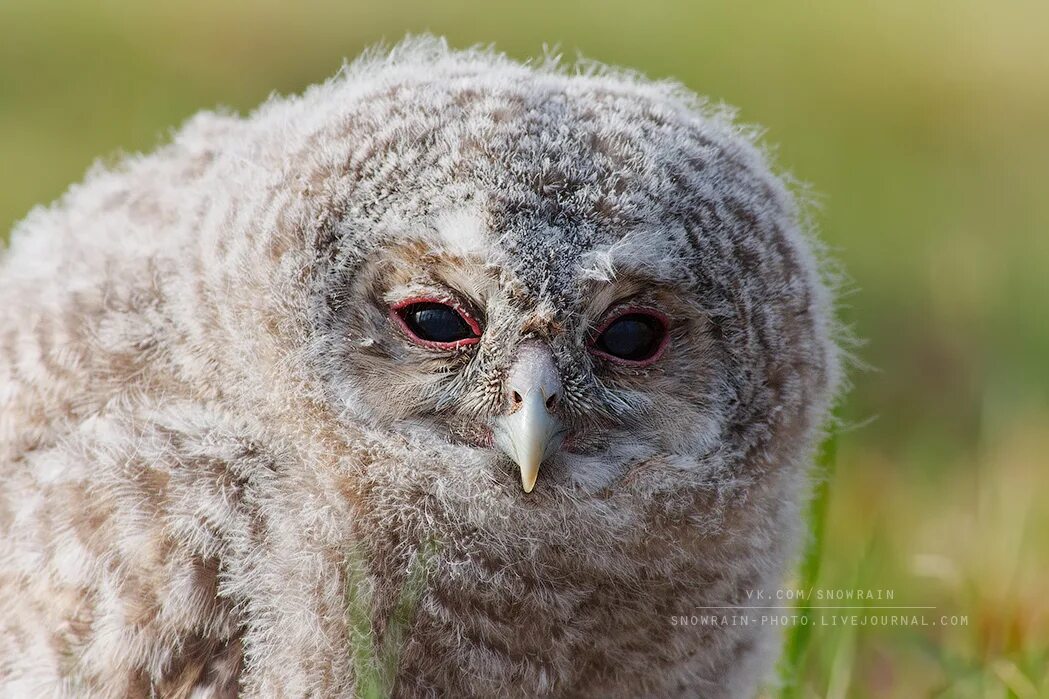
634, 337
437, 323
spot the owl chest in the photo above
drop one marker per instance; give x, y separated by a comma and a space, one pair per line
575, 635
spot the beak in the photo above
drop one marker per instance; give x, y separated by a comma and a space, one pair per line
530, 431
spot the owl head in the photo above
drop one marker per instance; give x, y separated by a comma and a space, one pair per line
563, 275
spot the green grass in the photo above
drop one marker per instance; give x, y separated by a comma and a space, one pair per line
376, 657
921, 124
800, 636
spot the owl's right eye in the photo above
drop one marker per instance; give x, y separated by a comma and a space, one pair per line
436, 324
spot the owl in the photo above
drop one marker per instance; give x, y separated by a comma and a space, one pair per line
561, 328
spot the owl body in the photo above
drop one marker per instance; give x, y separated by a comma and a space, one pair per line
210, 394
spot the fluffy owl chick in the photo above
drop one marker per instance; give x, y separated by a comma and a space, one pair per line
562, 329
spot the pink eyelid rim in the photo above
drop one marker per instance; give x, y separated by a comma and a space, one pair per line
626, 311
395, 316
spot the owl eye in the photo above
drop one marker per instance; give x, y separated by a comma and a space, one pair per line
436, 324
633, 337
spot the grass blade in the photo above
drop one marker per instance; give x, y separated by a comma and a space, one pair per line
800, 635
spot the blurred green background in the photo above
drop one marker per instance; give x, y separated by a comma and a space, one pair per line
923, 126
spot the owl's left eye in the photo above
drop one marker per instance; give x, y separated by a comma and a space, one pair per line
632, 337
436, 324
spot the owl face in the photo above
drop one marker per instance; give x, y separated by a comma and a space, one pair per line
559, 389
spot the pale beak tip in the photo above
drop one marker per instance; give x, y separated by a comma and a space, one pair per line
528, 478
